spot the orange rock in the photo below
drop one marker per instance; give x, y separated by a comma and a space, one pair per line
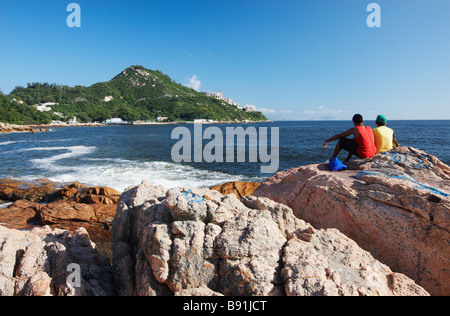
39, 190
70, 191
71, 215
71, 206
62, 211
238, 188
103, 191
21, 214
102, 195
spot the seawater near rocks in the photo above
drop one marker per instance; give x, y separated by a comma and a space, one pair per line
199, 242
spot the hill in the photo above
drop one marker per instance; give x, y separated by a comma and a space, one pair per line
135, 94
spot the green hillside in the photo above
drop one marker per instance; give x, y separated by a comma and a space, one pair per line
16, 113
135, 94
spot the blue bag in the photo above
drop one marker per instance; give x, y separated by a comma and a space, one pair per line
336, 165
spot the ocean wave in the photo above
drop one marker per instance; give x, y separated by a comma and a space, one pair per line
6, 205
74, 163
8, 143
49, 163
52, 140
121, 174
35, 141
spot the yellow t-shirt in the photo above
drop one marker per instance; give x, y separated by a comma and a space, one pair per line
383, 138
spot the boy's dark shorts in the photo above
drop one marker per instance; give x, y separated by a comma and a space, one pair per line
349, 145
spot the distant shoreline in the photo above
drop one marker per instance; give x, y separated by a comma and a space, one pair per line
14, 128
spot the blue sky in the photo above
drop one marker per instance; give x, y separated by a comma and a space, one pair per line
294, 59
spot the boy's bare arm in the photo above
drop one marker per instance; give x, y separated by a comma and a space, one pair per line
336, 137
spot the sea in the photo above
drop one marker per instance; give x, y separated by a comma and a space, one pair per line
123, 156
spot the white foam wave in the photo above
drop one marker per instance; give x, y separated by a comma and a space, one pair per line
49, 163
34, 141
51, 140
6, 205
8, 143
121, 174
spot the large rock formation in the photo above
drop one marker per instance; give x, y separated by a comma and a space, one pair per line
69, 206
200, 242
395, 205
46, 262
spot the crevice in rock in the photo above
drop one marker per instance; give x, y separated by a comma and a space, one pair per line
19, 255
280, 268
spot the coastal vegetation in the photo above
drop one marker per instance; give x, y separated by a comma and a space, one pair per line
136, 94
16, 113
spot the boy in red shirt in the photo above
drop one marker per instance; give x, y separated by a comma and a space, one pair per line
363, 145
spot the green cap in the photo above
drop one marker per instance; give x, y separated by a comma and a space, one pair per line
381, 119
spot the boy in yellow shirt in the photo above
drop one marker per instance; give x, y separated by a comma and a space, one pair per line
384, 136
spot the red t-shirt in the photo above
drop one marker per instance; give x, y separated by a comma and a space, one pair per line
366, 142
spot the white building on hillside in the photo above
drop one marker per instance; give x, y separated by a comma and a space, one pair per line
228, 100
248, 108
44, 107
73, 121
217, 95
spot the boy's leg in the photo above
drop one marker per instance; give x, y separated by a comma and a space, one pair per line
348, 145
348, 157
337, 149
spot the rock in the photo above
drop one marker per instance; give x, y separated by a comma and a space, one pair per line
70, 215
71, 206
44, 191
100, 195
395, 205
38, 262
238, 188
41, 190
125, 221
71, 191
21, 214
63, 211
200, 242
12, 128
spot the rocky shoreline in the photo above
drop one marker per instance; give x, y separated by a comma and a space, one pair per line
69, 206
66, 206
13, 128
380, 228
